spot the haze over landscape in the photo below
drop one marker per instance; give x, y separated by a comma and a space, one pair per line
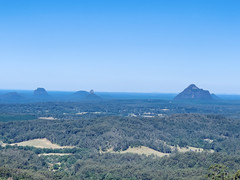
119, 90
120, 46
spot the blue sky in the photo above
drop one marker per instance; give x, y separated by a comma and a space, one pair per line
120, 45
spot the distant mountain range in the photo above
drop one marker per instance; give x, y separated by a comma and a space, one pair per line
41, 95
192, 92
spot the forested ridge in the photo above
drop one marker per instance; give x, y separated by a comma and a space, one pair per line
121, 132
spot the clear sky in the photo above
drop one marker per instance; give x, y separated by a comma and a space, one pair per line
120, 45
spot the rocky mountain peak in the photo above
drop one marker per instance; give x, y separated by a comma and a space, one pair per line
192, 92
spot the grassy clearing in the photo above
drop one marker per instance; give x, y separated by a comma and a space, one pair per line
41, 143
47, 118
143, 150
55, 154
188, 148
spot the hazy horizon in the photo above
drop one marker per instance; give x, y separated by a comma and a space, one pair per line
120, 46
114, 92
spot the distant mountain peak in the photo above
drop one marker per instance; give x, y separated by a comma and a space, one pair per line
12, 95
192, 86
91, 91
192, 92
40, 92
81, 93
84, 95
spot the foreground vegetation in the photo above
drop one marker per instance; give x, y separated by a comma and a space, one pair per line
18, 163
